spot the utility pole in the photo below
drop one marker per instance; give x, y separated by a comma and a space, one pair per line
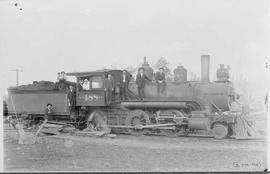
17, 76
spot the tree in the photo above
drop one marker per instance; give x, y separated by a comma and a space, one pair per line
131, 70
193, 76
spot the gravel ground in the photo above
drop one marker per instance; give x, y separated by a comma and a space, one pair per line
130, 153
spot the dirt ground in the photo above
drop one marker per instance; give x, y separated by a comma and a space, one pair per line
132, 153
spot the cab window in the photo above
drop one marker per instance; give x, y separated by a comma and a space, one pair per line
89, 83
83, 84
96, 82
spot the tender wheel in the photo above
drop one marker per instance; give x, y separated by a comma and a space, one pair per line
98, 120
137, 118
220, 131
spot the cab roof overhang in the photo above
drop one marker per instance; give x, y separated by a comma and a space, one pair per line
90, 73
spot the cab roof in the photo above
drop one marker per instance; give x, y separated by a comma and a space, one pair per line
97, 72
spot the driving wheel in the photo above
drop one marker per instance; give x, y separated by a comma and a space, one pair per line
137, 118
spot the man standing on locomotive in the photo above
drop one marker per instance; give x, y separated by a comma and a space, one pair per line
160, 79
109, 88
124, 85
140, 82
72, 102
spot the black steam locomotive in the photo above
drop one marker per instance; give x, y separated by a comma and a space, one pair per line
185, 106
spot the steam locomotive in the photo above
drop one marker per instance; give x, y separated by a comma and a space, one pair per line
184, 107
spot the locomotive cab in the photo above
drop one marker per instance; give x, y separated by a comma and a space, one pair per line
91, 87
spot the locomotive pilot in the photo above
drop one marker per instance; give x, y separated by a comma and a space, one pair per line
141, 80
160, 80
109, 88
125, 78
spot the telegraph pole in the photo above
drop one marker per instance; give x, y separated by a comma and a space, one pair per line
17, 76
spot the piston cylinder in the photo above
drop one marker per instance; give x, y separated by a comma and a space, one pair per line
198, 121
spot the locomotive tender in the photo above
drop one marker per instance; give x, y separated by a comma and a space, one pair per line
183, 108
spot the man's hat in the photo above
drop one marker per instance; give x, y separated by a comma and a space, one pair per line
140, 68
49, 104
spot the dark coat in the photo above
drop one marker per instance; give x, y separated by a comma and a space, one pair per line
127, 79
80, 88
72, 97
48, 114
160, 77
109, 84
141, 80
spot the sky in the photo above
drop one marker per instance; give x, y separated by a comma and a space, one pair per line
48, 36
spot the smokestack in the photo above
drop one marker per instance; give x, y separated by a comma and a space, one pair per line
205, 63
